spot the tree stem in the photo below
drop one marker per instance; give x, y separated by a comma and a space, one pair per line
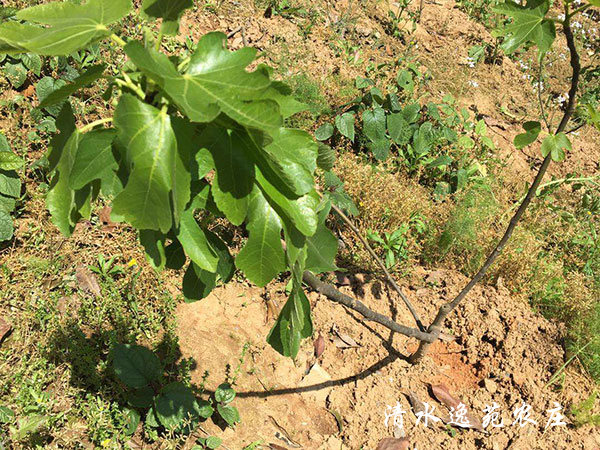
380, 263
333, 294
94, 124
447, 308
118, 40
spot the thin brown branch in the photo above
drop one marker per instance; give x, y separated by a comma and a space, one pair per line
539, 92
380, 263
333, 294
447, 308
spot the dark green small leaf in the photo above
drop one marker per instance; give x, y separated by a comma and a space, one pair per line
400, 130
141, 398
7, 204
194, 241
210, 442
169, 10
345, 125
440, 161
405, 81
94, 158
7, 415
556, 145
441, 190
234, 173
197, 283
4, 146
374, 124
33, 62
411, 112
362, 83
10, 161
300, 211
154, 244
136, 366
45, 88
177, 408
324, 132
151, 419
15, 73
380, 148
281, 94
229, 414
532, 130
132, 420
321, 247
226, 265
175, 255
262, 257
10, 184
293, 324
58, 95
6, 226
224, 393
529, 24
326, 157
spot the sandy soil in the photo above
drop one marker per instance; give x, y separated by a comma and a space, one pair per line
500, 352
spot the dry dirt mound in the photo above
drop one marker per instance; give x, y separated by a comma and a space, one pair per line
501, 352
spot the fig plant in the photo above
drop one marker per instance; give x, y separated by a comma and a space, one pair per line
192, 139
201, 137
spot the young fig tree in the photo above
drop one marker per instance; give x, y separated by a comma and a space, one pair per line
191, 139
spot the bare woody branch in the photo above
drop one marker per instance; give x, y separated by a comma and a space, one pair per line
380, 263
333, 294
447, 308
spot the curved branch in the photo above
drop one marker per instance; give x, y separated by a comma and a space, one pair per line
333, 294
380, 263
447, 308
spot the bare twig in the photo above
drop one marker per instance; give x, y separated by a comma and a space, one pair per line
381, 265
333, 294
540, 101
445, 309
232, 33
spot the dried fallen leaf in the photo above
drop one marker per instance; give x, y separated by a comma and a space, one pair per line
319, 345
29, 91
447, 337
342, 340
393, 444
316, 376
5, 328
51, 283
87, 280
419, 407
416, 404
104, 216
272, 310
338, 419
441, 393
283, 435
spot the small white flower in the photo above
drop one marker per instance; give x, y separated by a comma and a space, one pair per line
473, 83
561, 17
562, 98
